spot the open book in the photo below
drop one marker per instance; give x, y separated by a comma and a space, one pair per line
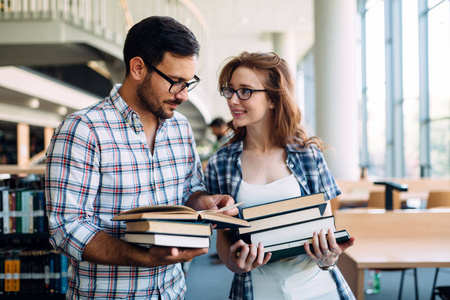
183, 213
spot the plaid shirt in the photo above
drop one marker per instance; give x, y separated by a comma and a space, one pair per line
224, 175
98, 165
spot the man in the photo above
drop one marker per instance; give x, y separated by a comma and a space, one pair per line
131, 149
219, 128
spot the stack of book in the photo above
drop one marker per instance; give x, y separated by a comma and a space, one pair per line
174, 225
284, 226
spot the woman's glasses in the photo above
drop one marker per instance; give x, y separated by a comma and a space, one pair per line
242, 93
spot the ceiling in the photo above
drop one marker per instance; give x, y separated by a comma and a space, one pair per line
231, 27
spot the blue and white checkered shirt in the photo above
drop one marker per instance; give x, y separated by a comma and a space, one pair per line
98, 165
223, 175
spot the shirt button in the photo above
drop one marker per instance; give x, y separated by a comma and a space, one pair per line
291, 165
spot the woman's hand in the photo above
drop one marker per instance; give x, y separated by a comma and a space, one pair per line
244, 258
326, 249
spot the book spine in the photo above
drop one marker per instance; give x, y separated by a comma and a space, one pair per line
8, 272
31, 212
12, 211
2, 215
2, 272
6, 216
15, 272
57, 271
64, 267
46, 260
18, 209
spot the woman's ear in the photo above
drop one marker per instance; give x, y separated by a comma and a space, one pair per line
137, 68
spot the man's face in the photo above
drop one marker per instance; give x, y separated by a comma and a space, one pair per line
217, 131
153, 92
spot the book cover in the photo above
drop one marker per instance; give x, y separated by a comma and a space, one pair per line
289, 232
183, 213
171, 227
295, 247
295, 216
167, 240
283, 206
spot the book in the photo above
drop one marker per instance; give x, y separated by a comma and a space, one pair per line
172, 227
313, 212
295, 247
168, 240
284, 233
183, 213
283, 206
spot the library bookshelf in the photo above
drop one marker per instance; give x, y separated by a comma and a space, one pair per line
29, 267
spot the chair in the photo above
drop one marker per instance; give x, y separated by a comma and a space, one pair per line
441, 291
377, 199
438, 199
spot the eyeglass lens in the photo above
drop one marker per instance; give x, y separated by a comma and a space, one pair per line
242, 93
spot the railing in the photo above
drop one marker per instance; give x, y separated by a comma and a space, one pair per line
103, 18
106, 18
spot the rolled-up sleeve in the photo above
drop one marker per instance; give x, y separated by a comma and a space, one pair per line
71, 183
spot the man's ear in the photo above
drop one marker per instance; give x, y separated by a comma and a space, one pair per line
137, 68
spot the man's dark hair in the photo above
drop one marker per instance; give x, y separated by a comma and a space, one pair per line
217, 122
152, 37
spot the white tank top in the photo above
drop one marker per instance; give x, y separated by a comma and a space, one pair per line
291, 278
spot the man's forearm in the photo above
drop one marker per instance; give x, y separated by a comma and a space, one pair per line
107, 250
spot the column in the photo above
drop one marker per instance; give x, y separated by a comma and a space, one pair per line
23, 144
335, 69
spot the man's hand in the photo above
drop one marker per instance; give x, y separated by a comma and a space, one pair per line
203, 201
162, 256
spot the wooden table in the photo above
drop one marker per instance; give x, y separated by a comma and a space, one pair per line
397, 239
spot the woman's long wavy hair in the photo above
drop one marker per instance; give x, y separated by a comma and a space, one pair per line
277, 80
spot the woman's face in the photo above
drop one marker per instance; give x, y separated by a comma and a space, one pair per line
255, 110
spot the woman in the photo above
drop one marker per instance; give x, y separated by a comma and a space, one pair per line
271, 158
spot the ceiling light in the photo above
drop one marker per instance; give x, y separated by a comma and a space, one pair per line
34, 103
62, 110
244, 20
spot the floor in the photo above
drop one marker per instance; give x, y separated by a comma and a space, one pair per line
209, 281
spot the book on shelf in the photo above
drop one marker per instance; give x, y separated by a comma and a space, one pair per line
284, 206
182, 213
168, 240
169, 227
296, 247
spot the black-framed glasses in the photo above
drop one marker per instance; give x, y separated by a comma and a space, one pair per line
178, 86
242, 93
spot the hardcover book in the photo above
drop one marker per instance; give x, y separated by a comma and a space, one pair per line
283, 206
284, 233
296, 247
182, 213
168, 240
169, 227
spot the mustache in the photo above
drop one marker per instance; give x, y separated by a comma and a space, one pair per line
177, 102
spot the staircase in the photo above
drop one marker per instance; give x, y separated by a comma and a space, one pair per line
74, 46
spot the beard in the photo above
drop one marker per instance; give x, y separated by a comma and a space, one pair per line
148, 100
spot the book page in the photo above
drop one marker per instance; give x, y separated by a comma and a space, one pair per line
221, 209
160, 208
